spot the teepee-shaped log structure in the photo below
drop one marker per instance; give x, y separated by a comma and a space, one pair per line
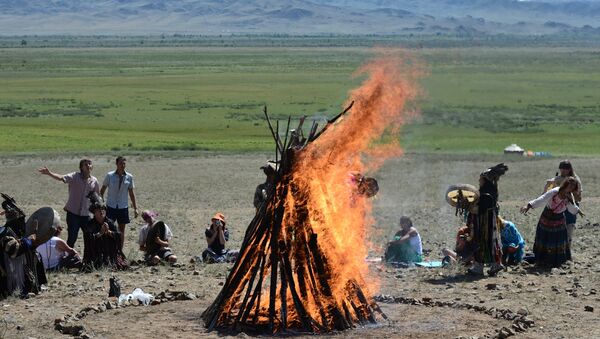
283, 280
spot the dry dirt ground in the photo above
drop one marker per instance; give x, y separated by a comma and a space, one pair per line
188, 190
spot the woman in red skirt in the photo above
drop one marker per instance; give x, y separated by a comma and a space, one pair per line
551, 246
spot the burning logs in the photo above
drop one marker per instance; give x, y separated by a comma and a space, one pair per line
283, 280
302, 262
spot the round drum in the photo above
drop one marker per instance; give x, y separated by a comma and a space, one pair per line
48, 221
463, 194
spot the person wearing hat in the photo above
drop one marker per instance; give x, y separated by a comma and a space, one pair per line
80, 185
217, 236
483, 223
102, 239
263, 190
154, 240
565, 170
120, 189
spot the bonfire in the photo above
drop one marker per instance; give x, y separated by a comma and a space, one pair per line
301, 266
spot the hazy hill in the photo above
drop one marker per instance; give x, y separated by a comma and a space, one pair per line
297, 16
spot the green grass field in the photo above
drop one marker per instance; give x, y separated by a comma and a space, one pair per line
185, 98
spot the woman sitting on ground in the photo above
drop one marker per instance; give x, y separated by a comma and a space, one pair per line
154, 240
217, 235
513, 245
464, 249
102, 241
406, 246
551, 247
56, 254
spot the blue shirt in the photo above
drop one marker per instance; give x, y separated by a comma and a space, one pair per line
118, 189
511, 236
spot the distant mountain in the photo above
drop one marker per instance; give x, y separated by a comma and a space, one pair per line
211, 17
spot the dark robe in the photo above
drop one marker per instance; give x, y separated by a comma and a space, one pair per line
25, 272
102, 250
483, 224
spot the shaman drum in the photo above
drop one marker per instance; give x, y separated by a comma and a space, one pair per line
462, 195
368, 187
48, 221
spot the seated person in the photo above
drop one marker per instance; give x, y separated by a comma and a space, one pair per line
102, 240
16, 272
464, 249
406, 246
21, 269
154, 240
56, 254
217, 235
513, 244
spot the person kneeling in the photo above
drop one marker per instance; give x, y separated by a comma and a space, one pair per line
102, 240
154, 240
217, 235
513, 245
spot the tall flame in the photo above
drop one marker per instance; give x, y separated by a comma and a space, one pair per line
360, 142
305, 249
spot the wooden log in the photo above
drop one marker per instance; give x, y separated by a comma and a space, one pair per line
235, 278
359, 313
275, 135
332, 121
306, 320
313, 131
283, 289
257, 290
242, 307
361, 297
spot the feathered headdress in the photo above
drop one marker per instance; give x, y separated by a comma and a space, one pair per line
96, 201
9, 205
494, 173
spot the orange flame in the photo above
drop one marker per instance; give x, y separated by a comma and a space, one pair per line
321, 246
359, 142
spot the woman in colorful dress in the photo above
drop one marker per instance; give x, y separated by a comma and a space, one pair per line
565, 170
551, 246
483, 223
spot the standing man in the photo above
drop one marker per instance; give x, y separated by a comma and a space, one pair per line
120, 186
80, 185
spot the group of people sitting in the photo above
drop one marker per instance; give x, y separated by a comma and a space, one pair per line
24, 258
488, 239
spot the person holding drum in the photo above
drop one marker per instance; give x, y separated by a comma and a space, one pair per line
20, 267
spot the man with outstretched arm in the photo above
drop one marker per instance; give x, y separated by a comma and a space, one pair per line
77, 206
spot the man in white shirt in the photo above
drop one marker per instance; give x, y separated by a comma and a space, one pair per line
120, 187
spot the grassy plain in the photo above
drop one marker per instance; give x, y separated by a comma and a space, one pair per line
209, 98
